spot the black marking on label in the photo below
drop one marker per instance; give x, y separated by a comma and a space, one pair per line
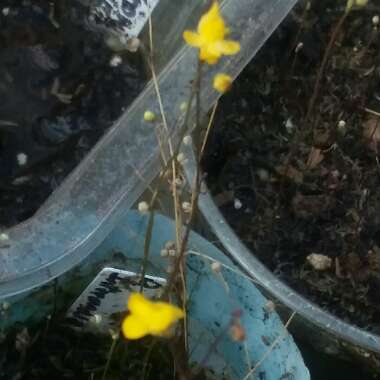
113, 283
136, 281
130, 7
122, 16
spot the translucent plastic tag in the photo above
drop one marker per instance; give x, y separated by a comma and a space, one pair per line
126, 17
104, 301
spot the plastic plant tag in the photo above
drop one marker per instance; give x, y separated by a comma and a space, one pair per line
104, 301
125, 17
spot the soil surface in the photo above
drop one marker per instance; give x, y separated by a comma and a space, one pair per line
61, 87
54, 351
302, 191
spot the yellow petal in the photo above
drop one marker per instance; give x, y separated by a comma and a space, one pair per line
209, 17
228, 47
192, 38
147, 317
133, 328
211, 25
165, 315
212, 60
139, 305
222, 82
208, 56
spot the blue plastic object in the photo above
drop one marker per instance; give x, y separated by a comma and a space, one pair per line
213, 297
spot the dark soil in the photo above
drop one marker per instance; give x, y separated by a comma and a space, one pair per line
53, 351
292, 187
57, 352
48, 49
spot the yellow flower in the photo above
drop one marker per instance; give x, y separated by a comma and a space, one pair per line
149, 318
210, 37
222, 82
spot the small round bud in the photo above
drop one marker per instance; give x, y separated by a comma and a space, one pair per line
183, 106
237, 332
270, 307
149, 116
216, 267
181, 158
186, 207
187, 140
143, 207
133, 44
222, 82
5, 306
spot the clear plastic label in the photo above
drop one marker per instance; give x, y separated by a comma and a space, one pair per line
124, 16
104, 301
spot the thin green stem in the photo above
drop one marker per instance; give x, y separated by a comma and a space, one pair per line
109, 357
146, 358
148, 239
195, 193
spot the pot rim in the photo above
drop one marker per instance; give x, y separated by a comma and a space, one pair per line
248, 262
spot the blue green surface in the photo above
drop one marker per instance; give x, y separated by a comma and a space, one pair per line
212, 300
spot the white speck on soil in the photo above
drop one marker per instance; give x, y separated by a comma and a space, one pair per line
237, 204
319, 262
289, 125
22, 159
116, 61
263, 175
